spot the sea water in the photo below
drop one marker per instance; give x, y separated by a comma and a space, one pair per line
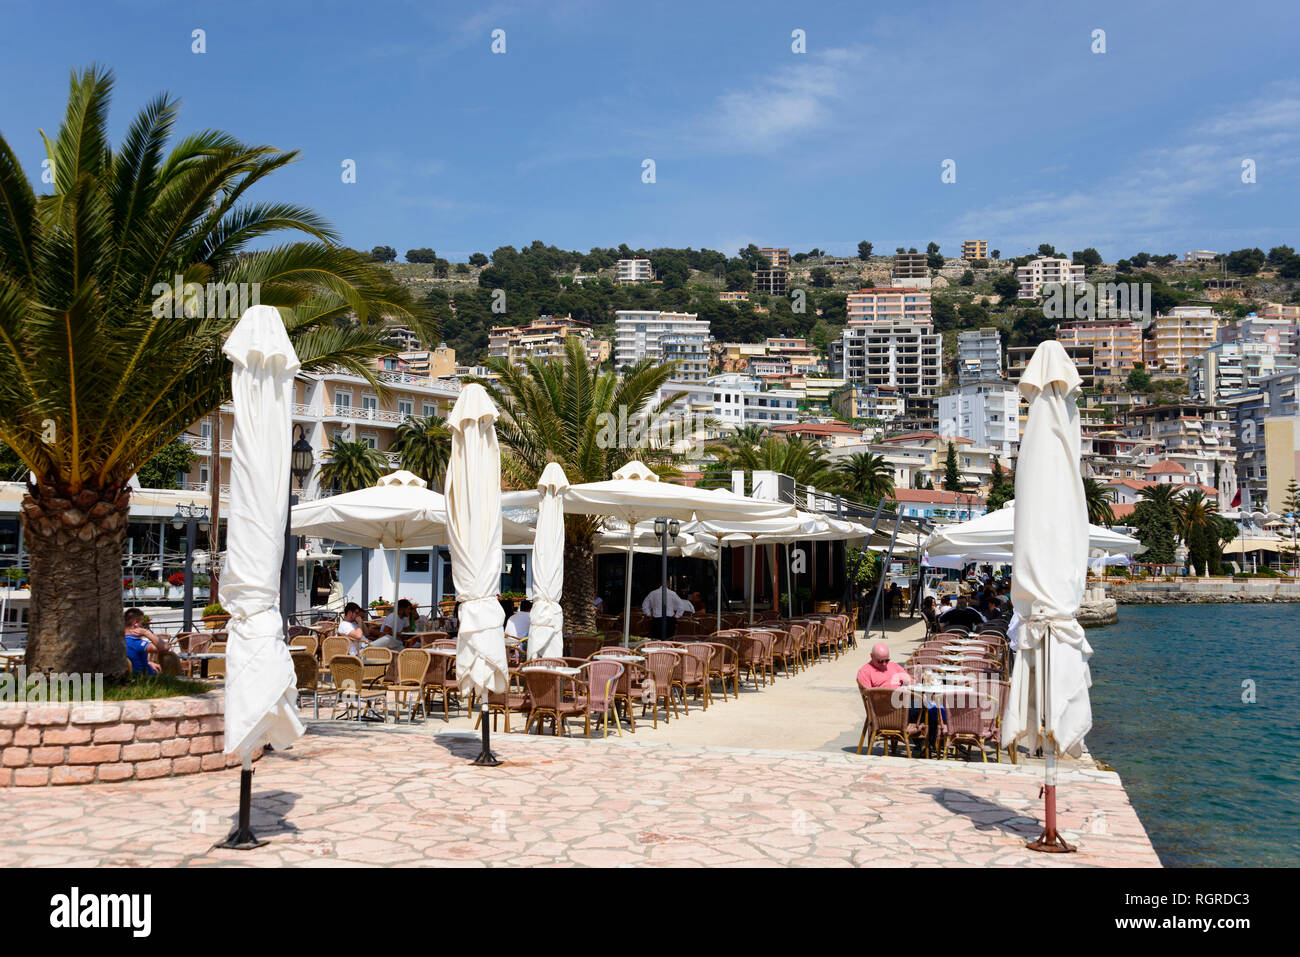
1198, 709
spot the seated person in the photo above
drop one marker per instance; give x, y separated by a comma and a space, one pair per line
697, 603
350, 628
393, 626
144, 649
928, 612
880, 672
599, 603
518, 624
962, 615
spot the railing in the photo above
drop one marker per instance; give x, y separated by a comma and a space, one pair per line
203, 443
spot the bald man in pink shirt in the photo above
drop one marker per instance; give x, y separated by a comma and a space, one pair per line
880, 672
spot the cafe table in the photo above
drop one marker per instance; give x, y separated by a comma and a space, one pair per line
202, 658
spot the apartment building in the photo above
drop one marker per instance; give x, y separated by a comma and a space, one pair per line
802, 356
1230, 367
896, 304
740, 400
1275, 326
1195, 436
1274, 397
911, 269
437, 363
1200, 256
733, 295
773, 282
973, 249
987, 413
1115, 346
898, 352
637, 332
979, 355
882, 403
939, 506
926, 455
633, 271
690, 352
544, 338
776, 258
331, 406
1046, 271
1172, 340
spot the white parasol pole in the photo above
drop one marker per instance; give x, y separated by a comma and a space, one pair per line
719, 628
627, 586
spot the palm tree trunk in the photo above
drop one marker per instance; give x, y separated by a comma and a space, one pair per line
578, 600
75, 544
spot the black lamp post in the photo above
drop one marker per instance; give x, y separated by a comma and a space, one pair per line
189, 517
301, 460
665, 529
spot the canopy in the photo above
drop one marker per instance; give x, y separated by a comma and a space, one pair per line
1050, 680
261, 700
996, 532
546, 620
474, 533
1239, 546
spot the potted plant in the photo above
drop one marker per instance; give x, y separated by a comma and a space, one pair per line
215, 617
381, 606
447, 605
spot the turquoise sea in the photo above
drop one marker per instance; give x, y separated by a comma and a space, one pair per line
1215, 779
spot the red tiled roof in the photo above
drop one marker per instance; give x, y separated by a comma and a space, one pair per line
1122, 510
1166, 467
935, 496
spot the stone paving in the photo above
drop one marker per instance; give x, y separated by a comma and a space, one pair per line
373, 795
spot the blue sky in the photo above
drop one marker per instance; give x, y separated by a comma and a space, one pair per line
1137, 148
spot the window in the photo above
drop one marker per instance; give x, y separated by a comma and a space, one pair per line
370, 440
428, 409
343, 399
405, 409
369, 406
417, 562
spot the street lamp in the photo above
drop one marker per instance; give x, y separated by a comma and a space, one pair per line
301, 459
1295, 558
665, 529
189, 517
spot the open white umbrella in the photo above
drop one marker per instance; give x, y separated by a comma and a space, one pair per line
546, 620
260, 682
996, 532
399, 511
474, 527
1048, 702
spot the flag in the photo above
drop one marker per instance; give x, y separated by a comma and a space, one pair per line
1236, 499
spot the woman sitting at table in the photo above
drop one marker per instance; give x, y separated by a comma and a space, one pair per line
350, 627
144, 649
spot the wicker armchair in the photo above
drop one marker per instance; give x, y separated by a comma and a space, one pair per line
598, 687
377, 662
887, 719
331, 648
546, 690
308, 643
353, 697
217, 666
441, 683
722, 668
658, 684
751, 658
307, 680
962, 722
414, 671
514, 700
695, 672
783, 650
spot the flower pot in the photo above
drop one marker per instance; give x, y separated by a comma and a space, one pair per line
215, 622
382, 609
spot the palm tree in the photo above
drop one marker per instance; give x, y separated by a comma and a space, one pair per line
101, 365
561, 411
802, 460
1099, 496
745, 435
424, 445
352, 465
867, 477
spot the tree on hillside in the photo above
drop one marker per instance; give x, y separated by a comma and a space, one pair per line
1246, 262
951, 474
422, 255
1007, 287
383, 254
864, 250
967, 278
1086, 257
1098, 497
478, 259
996, 254
821, 277
1139, 380
1046, 249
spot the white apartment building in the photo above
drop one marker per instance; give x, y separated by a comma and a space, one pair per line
691, 353
1046, 271
979, 355
739, 400
1231, 367
890, 350
637, 333
634, 270
1173, 340
1199, 256
987, 413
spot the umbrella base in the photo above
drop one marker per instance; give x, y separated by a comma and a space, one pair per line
242, 840
1051, 843
487, 760
241, 836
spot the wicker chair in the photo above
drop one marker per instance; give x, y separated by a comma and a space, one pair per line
374, 658
598, 687
331, 647
353, 697
963, 723
431, 640
722, 668
768, 639
751, 658
308, 642
546, 690
784, 650
886, 720
217, 666
514, 700
695, 672
414, 671
442, 683
658, 686
307, 674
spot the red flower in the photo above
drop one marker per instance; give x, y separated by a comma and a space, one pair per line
178, 579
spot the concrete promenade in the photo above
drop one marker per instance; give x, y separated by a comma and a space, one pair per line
767, 780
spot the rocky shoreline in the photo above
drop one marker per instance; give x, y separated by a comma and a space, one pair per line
1198, 599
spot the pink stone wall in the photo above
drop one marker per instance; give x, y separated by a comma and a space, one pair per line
45, 744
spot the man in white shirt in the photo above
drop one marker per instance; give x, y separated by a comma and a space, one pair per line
396, 623
350, 628
519, 623
663, 607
